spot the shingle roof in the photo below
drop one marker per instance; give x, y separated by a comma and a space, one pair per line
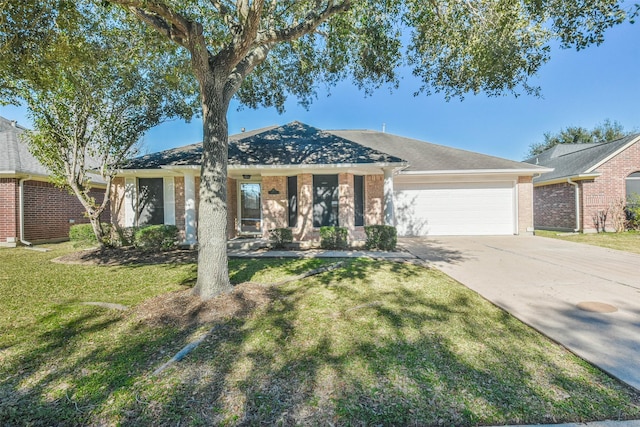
573, 161
299, 144
292, 144
427, 157
15, 157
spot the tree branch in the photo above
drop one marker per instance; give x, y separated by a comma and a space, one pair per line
161, 17
312, 21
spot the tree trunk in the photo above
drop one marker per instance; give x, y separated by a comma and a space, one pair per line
213, 271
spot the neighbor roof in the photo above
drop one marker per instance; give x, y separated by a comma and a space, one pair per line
427, 157
576, 161
292, 144
15, 158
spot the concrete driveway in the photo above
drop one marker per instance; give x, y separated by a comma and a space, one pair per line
585, 297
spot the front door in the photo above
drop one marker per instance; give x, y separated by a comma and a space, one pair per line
250, 213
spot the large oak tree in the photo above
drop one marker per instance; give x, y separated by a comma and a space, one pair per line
262, 51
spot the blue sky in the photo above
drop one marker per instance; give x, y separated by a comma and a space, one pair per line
579, 89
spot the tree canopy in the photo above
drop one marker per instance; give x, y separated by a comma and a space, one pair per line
605, 132
263, 51
92, 89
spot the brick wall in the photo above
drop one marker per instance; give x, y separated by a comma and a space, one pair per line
9, 210
554, 206
610, 186
274, 206
525, 204
373, 199
304, 229
47, 211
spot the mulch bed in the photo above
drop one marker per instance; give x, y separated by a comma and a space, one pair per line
128, 256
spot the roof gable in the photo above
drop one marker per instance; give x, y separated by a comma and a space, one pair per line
574, 162
15, 157
292, 144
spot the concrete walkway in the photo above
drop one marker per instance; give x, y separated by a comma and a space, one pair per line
585, 297
319, 253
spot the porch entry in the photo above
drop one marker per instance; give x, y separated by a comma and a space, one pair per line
250, 211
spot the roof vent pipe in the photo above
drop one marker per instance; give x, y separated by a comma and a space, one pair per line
384, 128
14, 123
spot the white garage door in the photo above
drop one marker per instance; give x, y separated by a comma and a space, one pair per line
449, 209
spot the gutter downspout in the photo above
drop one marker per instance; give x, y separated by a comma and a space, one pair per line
21, 196
575, 184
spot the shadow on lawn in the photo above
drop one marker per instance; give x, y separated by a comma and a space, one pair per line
329, 352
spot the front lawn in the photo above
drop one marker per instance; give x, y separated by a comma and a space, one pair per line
370, 343
628, 241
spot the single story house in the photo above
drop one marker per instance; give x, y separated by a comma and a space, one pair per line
586, 179
32, 210
301, 177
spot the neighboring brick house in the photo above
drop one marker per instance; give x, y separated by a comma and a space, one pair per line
301, 177
587, 179
32, 210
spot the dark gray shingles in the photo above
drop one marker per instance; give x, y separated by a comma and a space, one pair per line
14, 153
574, 163
292, 144
426, 157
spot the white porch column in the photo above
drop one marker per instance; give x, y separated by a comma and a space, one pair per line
190, 230
130, 202
389, 209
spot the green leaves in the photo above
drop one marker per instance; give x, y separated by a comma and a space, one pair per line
605, 132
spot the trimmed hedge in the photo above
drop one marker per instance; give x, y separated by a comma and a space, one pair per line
82, 233
333, 237
156, 237
381, 237
280, 237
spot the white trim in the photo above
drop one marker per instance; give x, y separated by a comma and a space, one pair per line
130, 201
388, 194
190, 229
480, 172
612, 155
516, 207
169, 199
563, 180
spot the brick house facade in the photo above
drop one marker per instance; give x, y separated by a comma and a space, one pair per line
586, 182
299, 177
46, 212
49, 212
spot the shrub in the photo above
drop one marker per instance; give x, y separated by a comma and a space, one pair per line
333, 237
633, 211
123, 236
280, 237
382, 237
156, 237
82, 234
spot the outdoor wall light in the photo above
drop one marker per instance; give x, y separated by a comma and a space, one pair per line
274, 191
246, 176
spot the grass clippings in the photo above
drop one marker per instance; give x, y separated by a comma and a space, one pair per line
370, 343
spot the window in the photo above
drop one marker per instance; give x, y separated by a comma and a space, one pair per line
150, 201
325, 200
292, 196
633, 184
358, 199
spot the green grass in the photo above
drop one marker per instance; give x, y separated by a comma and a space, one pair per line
628, 241
370, 343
